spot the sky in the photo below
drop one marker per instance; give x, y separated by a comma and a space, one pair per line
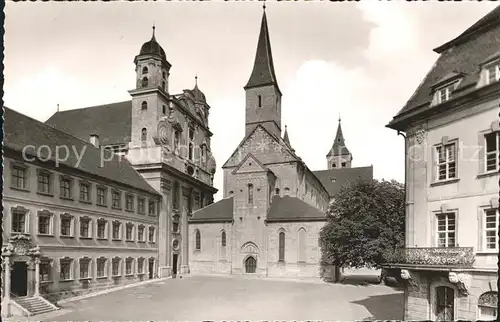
361, 61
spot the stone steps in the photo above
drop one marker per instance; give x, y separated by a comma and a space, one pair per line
35, 305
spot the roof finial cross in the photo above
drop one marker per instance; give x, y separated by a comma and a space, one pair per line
264, 5
196, 80
58, 107
339, 117
154, 27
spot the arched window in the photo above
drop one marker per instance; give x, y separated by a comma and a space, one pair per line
144, 135
259, 98
163, 85
197, 240
144, 105
145, 82
302, 245
177, 139
334, 165
164, 75
190, 152
164, 109
277, 191
223, 239
487, 304
281, 247
250, 193
144, 70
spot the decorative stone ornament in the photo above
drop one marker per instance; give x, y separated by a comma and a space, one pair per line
405, 275
462, 281
420, 136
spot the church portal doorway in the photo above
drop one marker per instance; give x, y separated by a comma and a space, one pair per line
250, 265
19, 279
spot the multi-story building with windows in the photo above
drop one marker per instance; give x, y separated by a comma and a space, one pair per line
101, 196
452, 174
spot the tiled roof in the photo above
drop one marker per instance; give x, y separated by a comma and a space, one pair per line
263, 68
338, 147
334, 179
221, 210
21, 130
288, 208
463, 55
112, 122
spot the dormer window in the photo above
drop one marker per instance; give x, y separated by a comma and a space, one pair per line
492, 73
444, 93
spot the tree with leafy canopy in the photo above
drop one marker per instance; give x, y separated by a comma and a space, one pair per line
365, 224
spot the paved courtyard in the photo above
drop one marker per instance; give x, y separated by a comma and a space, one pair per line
237, 298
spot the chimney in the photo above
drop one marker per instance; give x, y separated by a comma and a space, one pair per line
94, 140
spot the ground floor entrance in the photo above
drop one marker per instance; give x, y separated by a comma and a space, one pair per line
250, 265
19, 279
151, 268
175, 260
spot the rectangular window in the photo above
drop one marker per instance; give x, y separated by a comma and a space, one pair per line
250, 193
101, 196
84, 192
151, 234
128, 266
18, 222
140, 205
65, 270
101, 229
490, 227
129, 204
140, 233
115, 200
152, 207
84, 268
446, 229
130, 232
45, 272
66, 188
101, 267
18, 177
66, 225
446, 161
492, 151
116, 267
44, 224
116, 230
44, 184
85, 227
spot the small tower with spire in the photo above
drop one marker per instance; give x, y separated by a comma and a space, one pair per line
339, 156
263, 96
150, 95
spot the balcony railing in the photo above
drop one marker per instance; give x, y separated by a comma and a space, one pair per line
433, 256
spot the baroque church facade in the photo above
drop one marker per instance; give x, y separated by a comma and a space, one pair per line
273, 205
166, 138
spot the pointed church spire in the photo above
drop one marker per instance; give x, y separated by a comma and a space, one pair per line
339, 147
263, 68
285, 136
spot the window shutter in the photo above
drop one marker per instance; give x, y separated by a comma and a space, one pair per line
481, 153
